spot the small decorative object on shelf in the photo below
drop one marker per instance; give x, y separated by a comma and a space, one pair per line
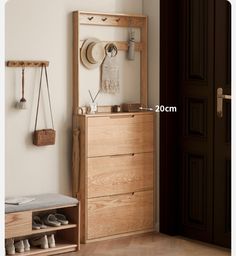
116, 109
93, 105
131, 107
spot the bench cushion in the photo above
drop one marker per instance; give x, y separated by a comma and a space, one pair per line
42, 201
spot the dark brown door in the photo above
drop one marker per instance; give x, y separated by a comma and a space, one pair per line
222, 139
204, 135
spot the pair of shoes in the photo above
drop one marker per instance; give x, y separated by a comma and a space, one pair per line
10, 247
16, 246
55, 220
37, 223
22, 245
44, 242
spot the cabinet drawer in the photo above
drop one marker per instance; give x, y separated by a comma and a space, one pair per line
119, 174
120, 214
120, 134
18, 224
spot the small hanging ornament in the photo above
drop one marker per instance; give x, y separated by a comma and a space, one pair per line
22, 103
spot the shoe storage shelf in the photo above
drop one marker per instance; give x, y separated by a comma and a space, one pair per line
117, 178
18, 223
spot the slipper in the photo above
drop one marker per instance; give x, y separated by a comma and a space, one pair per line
51, 220
61, 218
35, 226
38, 223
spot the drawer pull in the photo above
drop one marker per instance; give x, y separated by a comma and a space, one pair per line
113, 156
125, 116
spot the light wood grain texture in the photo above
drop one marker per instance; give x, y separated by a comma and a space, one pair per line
119, 173
76, 59
119, 214
18, 224
110, 175
82, 122
75, 162
121, 46
154, 244
116, 20
124, 134
60, 248
109, 19
27, 63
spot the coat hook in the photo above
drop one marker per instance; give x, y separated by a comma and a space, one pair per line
90, 18
104, 19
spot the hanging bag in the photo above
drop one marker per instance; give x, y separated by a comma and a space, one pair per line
46, 136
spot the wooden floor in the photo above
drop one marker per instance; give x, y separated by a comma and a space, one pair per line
150, 245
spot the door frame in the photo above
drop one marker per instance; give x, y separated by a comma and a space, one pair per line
169, 210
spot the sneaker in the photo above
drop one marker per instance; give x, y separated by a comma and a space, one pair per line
51, 241
10, 248
26, 244
40, 241
19, 246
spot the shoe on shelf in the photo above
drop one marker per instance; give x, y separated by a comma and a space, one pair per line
61, 218
51, 220
19, 246
37, 223
41, 241
51, 241
26, 245
10, 247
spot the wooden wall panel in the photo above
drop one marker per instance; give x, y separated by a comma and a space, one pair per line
196, 117
196, 40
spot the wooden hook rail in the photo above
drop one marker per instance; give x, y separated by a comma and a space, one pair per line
108, 19
26, 63
121, 46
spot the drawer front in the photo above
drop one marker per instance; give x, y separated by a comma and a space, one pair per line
18, 224
120, 214
112, 135
120, 174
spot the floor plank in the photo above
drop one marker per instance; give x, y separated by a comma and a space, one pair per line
150, 245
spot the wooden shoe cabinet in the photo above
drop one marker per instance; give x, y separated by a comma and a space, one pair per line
18, 225
117, 179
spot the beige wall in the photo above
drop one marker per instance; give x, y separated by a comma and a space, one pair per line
41, 29
151, 9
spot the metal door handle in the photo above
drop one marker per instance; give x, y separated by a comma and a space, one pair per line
220, 98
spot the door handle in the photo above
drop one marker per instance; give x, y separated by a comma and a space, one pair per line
220, 98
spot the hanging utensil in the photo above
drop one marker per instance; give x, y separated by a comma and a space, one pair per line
22, 103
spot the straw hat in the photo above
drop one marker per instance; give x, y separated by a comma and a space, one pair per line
92, 53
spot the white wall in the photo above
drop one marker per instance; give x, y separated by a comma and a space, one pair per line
151, 8
42, 29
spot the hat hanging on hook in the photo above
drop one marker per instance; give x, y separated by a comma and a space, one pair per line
92, 53
22, 103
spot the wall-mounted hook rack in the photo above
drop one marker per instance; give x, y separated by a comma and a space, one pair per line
108, 19
26, 63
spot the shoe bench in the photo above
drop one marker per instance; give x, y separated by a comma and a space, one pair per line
18, 223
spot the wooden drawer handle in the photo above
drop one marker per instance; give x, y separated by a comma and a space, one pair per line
125, 116
122, 155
